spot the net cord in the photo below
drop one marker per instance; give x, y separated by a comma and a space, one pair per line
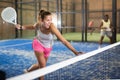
40, 72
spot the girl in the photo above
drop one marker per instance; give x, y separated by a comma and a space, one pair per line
42, 43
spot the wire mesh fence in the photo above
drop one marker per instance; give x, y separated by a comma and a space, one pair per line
69, 13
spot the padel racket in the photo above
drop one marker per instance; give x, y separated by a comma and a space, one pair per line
9, 15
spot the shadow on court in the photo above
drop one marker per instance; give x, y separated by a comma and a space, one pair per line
2, 75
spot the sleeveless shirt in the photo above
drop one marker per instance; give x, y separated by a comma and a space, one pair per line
106, 25
45, 39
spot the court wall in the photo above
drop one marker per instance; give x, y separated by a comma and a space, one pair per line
70, 15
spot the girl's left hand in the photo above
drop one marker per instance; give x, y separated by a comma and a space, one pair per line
80, 53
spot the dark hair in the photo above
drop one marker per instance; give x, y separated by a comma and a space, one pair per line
44, 13
106, 15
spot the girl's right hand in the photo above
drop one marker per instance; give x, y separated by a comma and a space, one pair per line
18, 26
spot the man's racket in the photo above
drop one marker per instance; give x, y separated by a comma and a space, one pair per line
9, 15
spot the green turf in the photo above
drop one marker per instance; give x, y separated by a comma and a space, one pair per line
94, 37
77, 37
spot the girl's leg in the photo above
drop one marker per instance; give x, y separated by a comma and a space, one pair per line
33, 67
41, 61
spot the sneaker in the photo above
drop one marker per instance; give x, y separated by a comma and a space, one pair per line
99, 47
25, 71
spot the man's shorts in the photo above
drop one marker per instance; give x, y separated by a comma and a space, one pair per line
107, 33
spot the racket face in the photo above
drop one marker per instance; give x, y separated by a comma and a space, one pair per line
9, 15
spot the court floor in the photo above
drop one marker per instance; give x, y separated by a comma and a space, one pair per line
17, 54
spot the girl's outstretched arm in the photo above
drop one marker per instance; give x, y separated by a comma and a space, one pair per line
63, 40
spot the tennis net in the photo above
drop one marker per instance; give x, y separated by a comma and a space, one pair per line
100, 64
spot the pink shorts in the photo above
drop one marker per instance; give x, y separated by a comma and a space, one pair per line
37, 46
